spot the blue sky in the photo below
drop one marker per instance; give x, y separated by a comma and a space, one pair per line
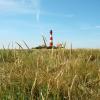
72, 21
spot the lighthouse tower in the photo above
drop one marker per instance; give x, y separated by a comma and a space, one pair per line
51, 39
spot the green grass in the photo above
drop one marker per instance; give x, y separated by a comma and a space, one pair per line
50, 74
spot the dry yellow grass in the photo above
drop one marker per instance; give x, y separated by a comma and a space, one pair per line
50, 74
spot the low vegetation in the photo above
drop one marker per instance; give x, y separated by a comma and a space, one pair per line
59, 74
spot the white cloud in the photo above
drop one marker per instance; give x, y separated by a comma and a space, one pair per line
58, 14
36, 6
28, 6
7, 4
21, 6
98, 27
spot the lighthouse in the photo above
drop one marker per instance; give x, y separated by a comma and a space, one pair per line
51, 38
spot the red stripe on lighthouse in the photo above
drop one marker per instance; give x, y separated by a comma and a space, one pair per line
51, 39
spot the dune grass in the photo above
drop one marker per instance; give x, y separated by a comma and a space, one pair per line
50, 74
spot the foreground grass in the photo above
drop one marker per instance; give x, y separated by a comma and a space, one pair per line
50, 74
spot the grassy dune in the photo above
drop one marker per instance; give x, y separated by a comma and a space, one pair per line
50, 74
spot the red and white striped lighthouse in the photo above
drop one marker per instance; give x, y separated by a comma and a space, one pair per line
51, 39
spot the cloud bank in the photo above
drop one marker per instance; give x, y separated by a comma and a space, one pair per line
28, 7
21, 6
